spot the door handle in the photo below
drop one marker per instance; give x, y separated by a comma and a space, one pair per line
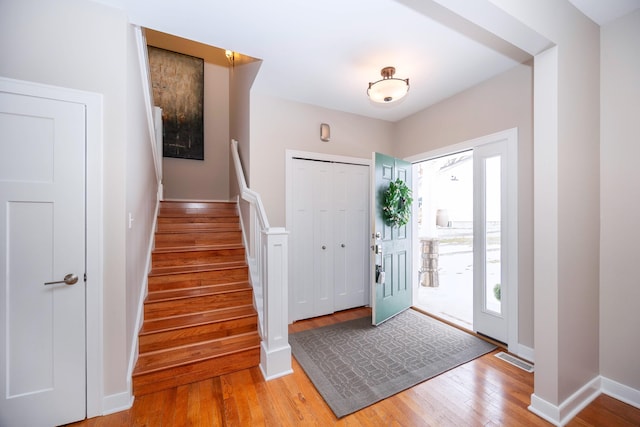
69, 279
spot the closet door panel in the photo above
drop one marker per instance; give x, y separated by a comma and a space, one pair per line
323, 238
303, 244
351, 203
340, 229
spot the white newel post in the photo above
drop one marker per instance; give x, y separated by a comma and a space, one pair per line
275, 352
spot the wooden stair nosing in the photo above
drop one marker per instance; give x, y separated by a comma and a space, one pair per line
160, 360
192, 334
160, 309
196, 227
211, 215
215, 232
203, 278
192, 248
196, 372
189, 259
194, 212
166, 271
177, 322
197, 238
197, 291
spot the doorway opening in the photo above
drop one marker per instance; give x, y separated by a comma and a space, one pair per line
465, 224
444, 189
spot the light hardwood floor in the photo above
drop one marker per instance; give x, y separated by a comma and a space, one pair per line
483, 392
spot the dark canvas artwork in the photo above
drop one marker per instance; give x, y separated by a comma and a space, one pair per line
178, 88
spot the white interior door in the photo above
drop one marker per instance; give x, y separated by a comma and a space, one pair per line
491, 229
42, 239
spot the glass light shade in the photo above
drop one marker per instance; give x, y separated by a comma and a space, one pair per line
388, 90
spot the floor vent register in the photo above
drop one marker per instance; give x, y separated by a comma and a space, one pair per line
525, 366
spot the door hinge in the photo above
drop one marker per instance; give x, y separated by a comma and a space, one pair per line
85, 277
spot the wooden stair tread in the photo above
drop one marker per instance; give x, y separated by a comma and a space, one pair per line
202, 228
195, 292
174, 357
195, 319
199, 248
164, 271
176, 216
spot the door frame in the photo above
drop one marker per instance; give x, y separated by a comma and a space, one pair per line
323, 157
93, 225
511, 258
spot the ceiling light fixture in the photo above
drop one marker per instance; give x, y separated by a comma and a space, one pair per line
389, 89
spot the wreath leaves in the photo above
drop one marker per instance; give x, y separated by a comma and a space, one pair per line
396, 209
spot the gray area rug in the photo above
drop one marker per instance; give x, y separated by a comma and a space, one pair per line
354, 364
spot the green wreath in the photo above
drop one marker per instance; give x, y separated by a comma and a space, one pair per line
396, 209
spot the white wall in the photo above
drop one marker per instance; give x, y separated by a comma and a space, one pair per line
141, 192
206, 179
500, 103
278, 125
87, 46
620, 201
82, 45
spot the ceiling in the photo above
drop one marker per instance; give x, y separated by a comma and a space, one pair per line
326, 52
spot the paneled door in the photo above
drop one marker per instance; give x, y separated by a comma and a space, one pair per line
329, 237
42, 261
351, 231
391, 277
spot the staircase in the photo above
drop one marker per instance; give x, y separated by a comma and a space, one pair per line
199, 319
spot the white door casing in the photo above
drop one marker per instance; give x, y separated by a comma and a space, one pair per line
42, 239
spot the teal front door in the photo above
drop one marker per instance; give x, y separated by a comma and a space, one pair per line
392, 288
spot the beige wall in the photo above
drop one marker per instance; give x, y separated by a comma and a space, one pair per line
83, 45
501, 103
567, 304
620, 201
206, 179
278, 125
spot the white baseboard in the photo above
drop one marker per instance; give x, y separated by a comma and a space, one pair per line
524, 352
567, 410
117, 402
545, 410
560, 415
275, 363
621, 392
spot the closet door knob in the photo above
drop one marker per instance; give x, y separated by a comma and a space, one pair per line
342, 245
324, 247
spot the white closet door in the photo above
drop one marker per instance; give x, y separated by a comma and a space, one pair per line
329, 238
312, 272
351, 229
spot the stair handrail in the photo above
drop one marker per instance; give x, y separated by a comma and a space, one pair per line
267, 257
153, 113
245, 192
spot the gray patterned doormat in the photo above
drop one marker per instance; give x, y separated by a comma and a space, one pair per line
354, 364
